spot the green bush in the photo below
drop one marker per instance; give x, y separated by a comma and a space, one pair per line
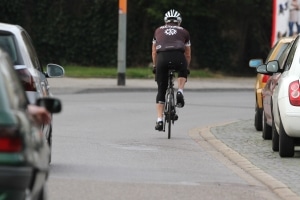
224, 36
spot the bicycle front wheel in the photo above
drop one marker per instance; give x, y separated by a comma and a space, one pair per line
169, 113
169, 119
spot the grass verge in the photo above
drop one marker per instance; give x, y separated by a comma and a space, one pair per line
112, 72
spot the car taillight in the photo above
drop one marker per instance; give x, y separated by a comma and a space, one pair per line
9, 140
265, 78
26, 80
294, 93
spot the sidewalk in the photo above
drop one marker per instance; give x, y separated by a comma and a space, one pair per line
79, 85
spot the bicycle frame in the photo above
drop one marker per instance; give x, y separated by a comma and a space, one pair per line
169, 107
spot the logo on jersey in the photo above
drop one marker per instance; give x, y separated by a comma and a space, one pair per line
158, 47
170, 31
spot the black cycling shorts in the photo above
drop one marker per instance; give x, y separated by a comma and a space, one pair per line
164, 60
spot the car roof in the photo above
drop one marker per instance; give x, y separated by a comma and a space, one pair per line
11, 27
22, 48
286, 39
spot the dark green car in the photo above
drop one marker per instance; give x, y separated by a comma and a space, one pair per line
24, 152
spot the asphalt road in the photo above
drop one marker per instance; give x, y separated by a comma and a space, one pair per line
220, 162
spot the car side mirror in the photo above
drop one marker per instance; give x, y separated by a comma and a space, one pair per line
255, 63
53, 105
54, 70
272, 66
262, 69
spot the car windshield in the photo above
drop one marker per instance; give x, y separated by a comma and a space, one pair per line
7, 43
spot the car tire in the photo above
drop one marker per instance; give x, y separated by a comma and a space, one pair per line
275, 138
258, 118
286, 143
267, 130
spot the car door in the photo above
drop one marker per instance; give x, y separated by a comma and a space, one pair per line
278, 83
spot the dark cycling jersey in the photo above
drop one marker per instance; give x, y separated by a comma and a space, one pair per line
171, 37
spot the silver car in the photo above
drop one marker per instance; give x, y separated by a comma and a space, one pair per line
17, 43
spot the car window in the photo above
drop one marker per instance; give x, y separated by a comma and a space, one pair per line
290, 57
32, 53
271, 52
15, 92
276, 51
284, 55
7, 43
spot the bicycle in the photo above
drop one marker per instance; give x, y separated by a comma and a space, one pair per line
170, 107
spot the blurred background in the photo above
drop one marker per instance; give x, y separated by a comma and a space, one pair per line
225, 34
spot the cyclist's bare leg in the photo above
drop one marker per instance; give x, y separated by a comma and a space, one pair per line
160, 110
159, 122
179, 96
181, 82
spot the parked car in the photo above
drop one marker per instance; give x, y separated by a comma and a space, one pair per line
286, 102
261, 79
18, 44
24, 152
267, 93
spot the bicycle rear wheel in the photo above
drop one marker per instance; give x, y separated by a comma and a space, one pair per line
169, 120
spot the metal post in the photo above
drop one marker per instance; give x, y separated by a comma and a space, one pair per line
122, 42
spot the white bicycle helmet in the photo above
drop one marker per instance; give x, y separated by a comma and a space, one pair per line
172, 16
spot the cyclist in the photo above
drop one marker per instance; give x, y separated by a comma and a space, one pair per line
170, 46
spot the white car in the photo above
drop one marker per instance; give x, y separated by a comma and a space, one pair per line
17, 43
286, 102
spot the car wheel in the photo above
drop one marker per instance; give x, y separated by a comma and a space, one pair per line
275, 138
258, 118
267, 130
286, 143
